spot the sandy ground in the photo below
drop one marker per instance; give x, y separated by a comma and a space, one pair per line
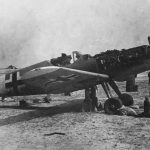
61, 125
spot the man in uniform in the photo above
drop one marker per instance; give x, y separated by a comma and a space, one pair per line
146, 112
126, 111
94, 99
149, 78
63, 60
87, 103
147, 106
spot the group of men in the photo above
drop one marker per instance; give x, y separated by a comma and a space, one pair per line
115, 59
63, 60
146, 112
91, 102
146, 104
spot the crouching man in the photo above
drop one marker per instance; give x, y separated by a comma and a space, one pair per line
87, 103
146, 112
90, 103
95, 99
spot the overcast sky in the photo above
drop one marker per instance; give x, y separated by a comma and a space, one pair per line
35, 30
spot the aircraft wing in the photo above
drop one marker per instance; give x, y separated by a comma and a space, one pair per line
54, 79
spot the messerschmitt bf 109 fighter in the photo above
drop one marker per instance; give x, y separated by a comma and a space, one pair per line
84, 73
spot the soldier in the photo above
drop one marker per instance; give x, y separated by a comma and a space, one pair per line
47, 98
146, 106
94, 98
126, 111
76, 55
146, 112
61, 61
67, 94
3, 98
11, 67
149, 78
87, 103
65, 59
149, 83
149, 39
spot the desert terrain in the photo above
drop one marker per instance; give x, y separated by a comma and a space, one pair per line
60, 124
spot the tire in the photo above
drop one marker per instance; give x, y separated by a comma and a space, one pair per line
111, 105
127, 100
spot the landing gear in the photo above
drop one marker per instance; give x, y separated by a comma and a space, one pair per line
127, 100
112, 105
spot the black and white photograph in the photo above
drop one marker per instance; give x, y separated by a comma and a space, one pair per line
74, 74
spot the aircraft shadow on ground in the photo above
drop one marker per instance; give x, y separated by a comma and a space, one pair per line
71, 106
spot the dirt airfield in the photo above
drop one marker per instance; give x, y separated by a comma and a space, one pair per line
60, 125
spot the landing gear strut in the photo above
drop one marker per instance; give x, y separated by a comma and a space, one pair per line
113, 104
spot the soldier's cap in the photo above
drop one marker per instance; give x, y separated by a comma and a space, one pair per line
63, 55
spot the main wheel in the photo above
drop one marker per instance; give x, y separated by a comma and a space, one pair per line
111, 105
127, 100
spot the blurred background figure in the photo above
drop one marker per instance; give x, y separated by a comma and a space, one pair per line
149, 83
76, 55
63, 60
146, 106
149, 78
149, 40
